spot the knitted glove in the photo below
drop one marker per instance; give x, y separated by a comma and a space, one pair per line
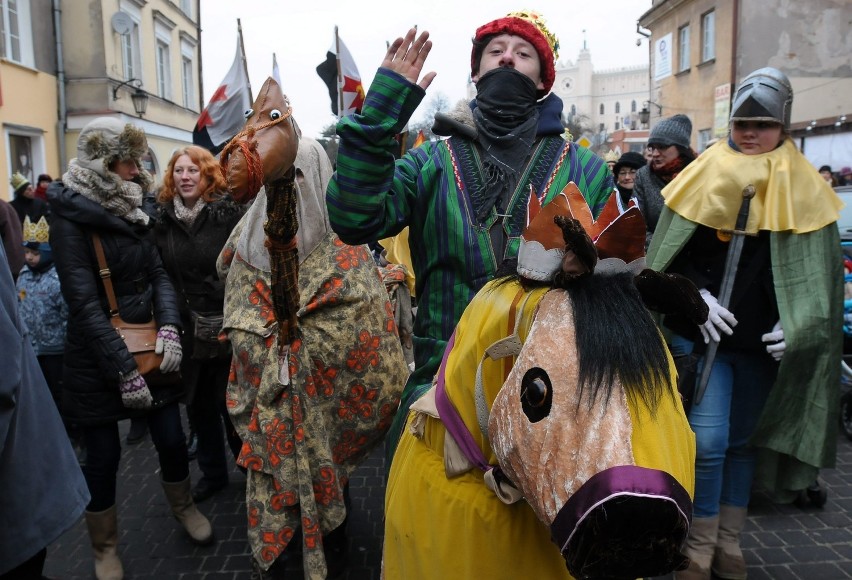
134, 391
719, 318
168, 345
776, 345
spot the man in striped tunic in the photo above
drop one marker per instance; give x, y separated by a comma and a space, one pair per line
464, 198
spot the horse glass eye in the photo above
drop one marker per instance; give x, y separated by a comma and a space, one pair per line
248, 113
275, 114
536, 394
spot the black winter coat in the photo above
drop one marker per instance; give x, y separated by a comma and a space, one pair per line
95, 355
189, 255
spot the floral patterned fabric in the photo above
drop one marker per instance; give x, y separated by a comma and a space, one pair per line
302, 440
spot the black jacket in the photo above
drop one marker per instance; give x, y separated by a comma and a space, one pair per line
95, 355
189, 256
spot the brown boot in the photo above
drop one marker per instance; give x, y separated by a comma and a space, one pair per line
180, 499
700, 545
728, 561
103, 532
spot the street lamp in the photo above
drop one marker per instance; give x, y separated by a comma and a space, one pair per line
645, 114
138, 96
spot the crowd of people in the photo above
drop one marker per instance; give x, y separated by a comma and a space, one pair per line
836, 179
97, 246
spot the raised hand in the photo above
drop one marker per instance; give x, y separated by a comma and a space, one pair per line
406, 56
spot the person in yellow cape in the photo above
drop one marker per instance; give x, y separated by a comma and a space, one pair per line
456, 506
769, 410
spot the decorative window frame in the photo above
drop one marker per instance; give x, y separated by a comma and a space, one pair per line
683, 56
163, 29
26, 52
131, 43
38, 163
708, 36
187, 70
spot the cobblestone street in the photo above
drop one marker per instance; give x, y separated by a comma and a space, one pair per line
781, 542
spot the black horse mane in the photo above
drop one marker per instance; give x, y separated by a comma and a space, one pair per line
617, 339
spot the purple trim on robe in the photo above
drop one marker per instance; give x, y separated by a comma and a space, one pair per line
452, 420
623, 480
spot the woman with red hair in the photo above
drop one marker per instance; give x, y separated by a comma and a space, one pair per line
196, 218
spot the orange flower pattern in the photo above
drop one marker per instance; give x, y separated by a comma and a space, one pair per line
261, 296
346, 372
365, 354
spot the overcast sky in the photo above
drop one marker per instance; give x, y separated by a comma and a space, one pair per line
301, 31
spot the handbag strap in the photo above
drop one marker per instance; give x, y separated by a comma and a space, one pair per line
105, 274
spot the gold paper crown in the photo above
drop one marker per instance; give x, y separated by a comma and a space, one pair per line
18, 181
36, 232
611, 156
539, 22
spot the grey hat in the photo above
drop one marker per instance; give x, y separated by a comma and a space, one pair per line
675, 130
105, 140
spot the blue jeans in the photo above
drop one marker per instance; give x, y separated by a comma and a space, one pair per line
103, 453
724, 422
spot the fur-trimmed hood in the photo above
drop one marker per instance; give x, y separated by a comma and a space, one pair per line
105, 140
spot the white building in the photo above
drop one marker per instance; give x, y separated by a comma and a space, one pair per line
609, 99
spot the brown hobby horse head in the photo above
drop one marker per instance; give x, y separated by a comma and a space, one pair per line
265, 149
592, 389
263, 154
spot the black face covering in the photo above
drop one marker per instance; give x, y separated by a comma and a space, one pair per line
506, 98
506, 117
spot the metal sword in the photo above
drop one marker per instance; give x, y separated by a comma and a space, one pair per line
732, 261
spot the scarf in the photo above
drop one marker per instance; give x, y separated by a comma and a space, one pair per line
187, 215
506, 118
789, 193
671, 169
120, 198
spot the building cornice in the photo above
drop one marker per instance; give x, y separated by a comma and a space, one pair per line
186, 37
161, 18
659, 12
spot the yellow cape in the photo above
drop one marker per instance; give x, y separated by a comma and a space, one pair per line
790, 194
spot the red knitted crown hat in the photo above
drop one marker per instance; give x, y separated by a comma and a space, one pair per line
531, 27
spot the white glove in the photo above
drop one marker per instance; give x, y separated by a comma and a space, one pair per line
168, 345
776, 343
719, 318
134, 392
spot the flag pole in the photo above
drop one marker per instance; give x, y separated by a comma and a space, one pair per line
243, 56
339, 75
